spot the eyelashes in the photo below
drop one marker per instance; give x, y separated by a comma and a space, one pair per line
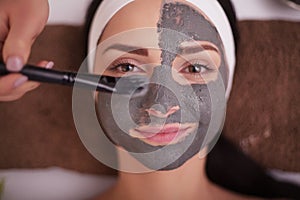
124, 66
197, 71
196, 67
131, 66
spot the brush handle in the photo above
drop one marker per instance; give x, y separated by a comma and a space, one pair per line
90, 81
43, 75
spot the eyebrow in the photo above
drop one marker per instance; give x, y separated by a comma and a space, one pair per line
197, 48
129, 49
144, 52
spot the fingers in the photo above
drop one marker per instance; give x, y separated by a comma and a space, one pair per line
46, 64
14, 86
10, 82
3, 28
24, 26
21, 21
10, 87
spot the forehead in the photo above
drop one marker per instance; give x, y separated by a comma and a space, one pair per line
141, 13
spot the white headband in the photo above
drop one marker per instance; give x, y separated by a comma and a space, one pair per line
211, 8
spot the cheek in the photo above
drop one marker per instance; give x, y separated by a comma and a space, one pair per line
203, 102
216, 59
223, 72
118, 112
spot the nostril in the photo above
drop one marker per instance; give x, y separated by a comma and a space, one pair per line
159, 111
173, 109
156, 110
141, 89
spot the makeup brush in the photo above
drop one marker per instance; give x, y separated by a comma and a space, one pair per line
135, 85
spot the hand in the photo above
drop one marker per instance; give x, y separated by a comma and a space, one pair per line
21, 21
14, 86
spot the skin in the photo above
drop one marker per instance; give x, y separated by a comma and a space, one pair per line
177, 96
188, 179
18, 31
165, 185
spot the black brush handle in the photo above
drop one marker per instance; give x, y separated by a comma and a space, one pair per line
43, 75
89, 81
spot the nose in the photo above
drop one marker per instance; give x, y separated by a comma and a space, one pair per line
156, 113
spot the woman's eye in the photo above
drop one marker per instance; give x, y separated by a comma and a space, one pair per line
126, 67
196, 68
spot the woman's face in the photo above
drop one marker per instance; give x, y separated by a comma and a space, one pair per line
179, 50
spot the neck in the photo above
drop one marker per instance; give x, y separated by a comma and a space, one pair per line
186, 182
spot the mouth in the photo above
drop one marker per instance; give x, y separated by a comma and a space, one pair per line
163, 135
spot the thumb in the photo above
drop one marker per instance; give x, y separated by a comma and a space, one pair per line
22, 33
16, 53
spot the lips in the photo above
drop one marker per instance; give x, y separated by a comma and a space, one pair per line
163, 135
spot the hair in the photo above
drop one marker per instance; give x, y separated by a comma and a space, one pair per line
226, 5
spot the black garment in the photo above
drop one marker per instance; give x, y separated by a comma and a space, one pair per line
230, 168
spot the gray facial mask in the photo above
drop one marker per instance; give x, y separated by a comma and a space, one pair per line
201, 104
178, 23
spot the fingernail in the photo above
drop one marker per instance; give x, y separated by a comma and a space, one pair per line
20, 81
49, 65
14, 63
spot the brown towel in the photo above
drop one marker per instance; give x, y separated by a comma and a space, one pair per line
263, 110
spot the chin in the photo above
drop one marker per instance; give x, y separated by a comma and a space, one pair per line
182, 160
